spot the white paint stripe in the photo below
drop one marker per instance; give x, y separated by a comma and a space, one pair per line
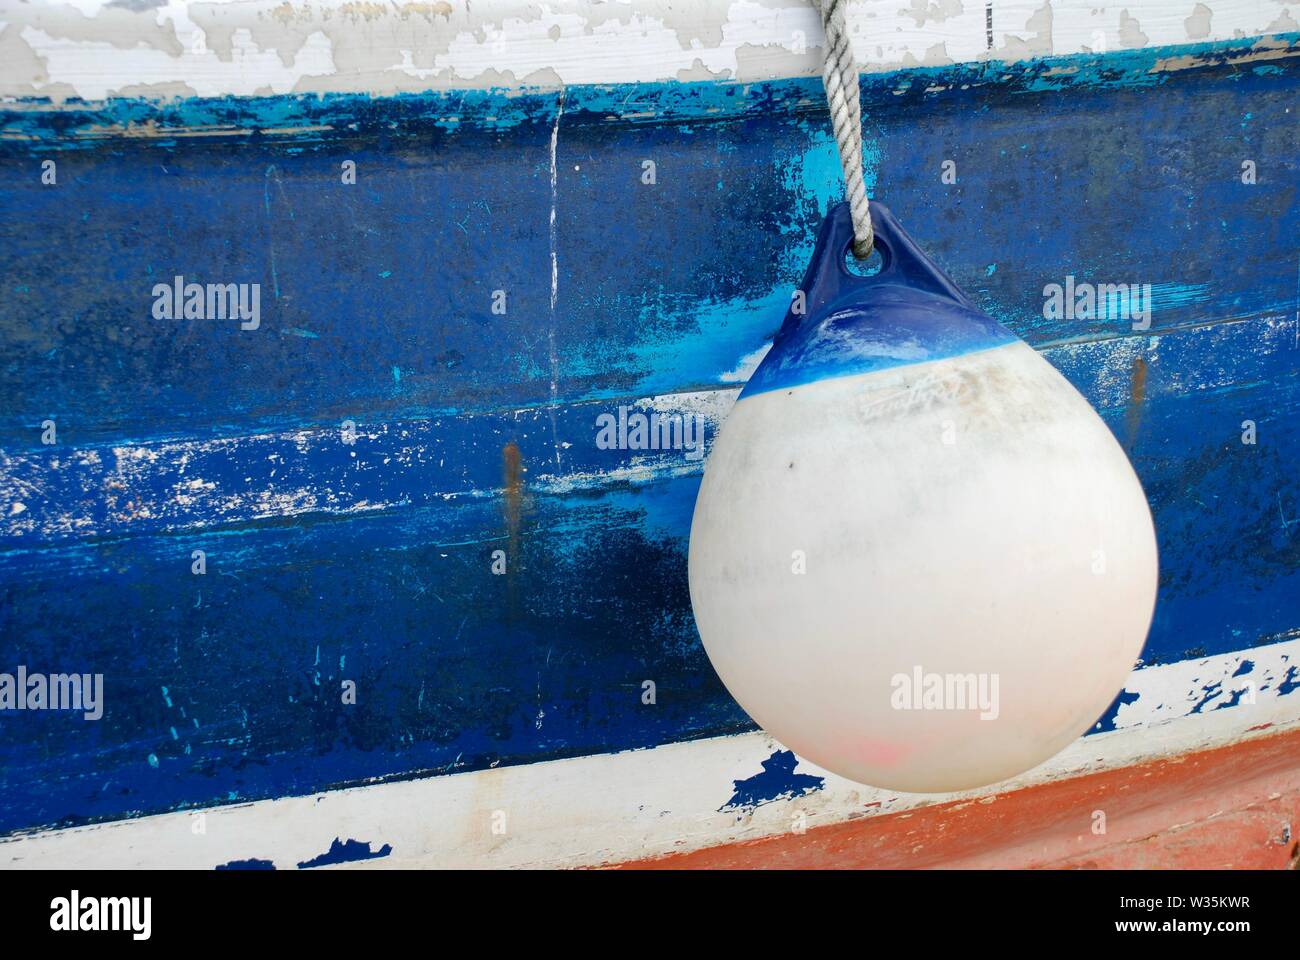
626, 806
90, 49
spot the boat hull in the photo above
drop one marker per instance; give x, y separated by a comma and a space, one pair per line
429, 592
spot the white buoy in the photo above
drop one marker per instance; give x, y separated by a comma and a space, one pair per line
919, 558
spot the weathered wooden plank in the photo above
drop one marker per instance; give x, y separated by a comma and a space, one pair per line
378, 298
231, 681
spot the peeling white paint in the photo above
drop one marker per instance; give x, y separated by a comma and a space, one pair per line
1198, 24
90, 67
94, 49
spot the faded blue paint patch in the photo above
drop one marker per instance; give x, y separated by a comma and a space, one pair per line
1165, 296
778, 781
251, 864
348, 851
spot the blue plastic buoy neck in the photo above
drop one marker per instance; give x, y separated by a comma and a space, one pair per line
909, 311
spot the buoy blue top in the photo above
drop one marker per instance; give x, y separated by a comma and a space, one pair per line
908, 312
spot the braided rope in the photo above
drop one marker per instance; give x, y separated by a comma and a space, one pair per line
840, 78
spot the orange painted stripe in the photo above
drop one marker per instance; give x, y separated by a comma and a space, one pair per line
1231, 807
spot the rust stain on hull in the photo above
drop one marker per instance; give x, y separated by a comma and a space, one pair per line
1137, 397
512, 467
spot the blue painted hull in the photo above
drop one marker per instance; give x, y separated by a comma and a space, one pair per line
477, 429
